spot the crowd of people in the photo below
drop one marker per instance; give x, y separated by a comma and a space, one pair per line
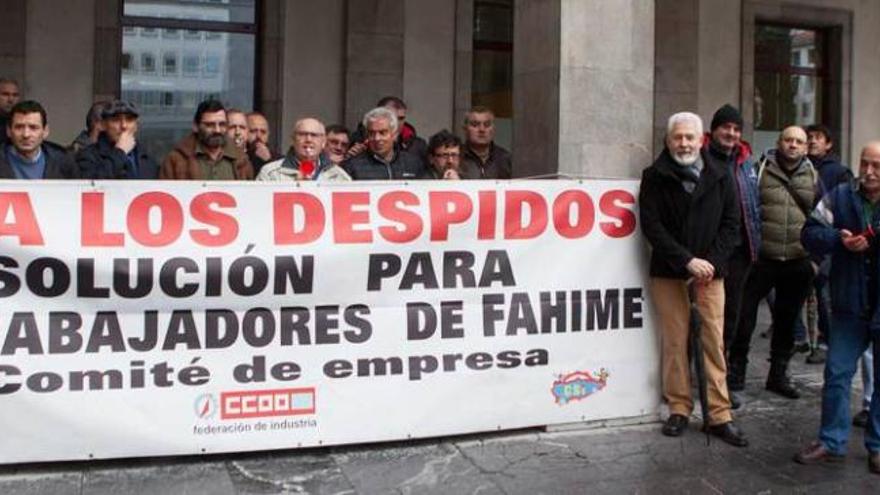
230, 144
727, 229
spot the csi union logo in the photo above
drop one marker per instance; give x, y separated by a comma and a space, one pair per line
205, 406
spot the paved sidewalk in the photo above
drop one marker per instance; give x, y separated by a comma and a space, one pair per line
630, 459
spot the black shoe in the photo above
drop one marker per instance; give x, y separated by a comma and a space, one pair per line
675, 425
729, 433
860, 420
778, 381
783, 387
802, 347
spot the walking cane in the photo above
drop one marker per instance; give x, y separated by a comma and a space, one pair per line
696, 348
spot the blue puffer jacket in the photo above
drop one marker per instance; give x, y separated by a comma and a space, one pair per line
841, 209
742, 166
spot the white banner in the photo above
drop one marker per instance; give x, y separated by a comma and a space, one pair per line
144, 319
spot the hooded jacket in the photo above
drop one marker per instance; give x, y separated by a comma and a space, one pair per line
680, 225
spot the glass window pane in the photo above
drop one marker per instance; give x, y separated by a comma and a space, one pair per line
192, 69
493, 21
201, 10
169, 64
789, 80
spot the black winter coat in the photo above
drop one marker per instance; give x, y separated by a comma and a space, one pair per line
102, 161
367, 166
59, 163
681, 225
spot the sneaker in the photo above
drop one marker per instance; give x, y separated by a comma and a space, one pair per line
817, 356
802, 347
860, 420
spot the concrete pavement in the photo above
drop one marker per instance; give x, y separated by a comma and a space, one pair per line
623, 459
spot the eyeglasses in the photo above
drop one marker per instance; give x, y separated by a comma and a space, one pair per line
337, 142
448, 156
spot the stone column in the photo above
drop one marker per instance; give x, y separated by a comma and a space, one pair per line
374, 54
583, 87
12, 39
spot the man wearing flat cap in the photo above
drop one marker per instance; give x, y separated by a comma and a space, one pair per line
116, 154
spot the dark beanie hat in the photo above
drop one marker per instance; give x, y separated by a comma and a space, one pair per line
724, 115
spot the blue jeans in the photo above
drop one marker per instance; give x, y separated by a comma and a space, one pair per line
847, 340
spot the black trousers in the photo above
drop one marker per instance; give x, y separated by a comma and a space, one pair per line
738, 267
792, 280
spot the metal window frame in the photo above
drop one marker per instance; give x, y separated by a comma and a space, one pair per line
253, 29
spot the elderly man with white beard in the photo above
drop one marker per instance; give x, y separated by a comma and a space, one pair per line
690, 217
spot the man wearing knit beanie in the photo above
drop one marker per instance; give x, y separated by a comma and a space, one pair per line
727, 114
725, 143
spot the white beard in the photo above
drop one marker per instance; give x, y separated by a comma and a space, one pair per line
686, 159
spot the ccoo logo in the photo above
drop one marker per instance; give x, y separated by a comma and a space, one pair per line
205, 406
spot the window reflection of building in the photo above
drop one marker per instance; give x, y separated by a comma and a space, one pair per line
789, 80
199, 60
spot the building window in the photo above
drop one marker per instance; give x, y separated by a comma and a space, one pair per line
148, 63
169, 64
492, 84
212, 65
791, 73
192, 65
127, 62
211, 44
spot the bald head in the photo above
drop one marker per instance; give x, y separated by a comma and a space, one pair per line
308, 139
792, 146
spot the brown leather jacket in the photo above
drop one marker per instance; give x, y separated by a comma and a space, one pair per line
182, 164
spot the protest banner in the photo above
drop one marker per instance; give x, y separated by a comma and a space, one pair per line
158, 318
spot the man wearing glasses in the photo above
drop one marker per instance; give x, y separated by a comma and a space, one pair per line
444, 155
306, 159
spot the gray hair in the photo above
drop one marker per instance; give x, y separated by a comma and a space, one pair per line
685, 118
382, 113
